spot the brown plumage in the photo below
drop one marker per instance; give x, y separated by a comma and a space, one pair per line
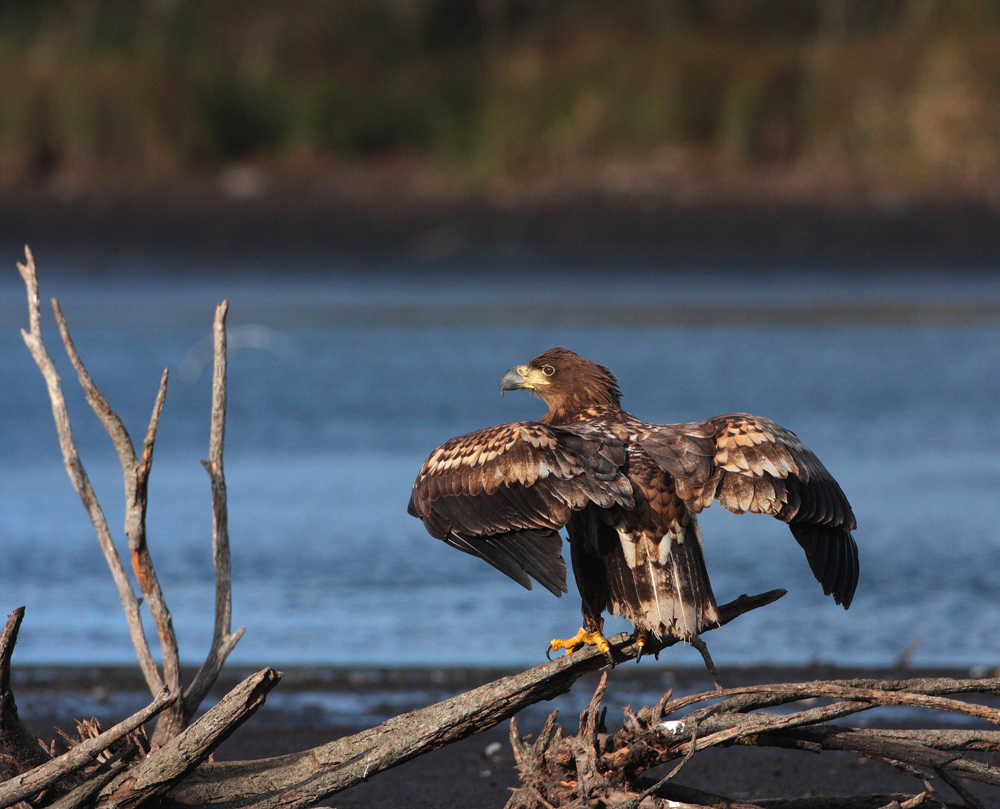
628, 493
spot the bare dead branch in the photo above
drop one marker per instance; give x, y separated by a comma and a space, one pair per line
108, 418
967, 797
223, 638
165, 766
24, 751
885, 746
766, 696
920, 695
80, 480
42, 777
82, 796
173, 719
680, 795
945, 739
135, 472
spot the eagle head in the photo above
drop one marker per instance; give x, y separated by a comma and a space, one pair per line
565, 381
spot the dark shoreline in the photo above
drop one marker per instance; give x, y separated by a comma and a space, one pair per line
581, 226
479, 771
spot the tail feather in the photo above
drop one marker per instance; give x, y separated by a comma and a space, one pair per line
665, 593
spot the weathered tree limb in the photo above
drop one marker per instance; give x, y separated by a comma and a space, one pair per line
554, 773
78, 476
223, 638
943, 739
681, 796
83, 795
135, 472
302, 779
883, 746
43, 776
165, 766
919, 693
23, 749
719, 728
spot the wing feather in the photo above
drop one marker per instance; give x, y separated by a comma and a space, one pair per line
749, 463
520, 555
504, 492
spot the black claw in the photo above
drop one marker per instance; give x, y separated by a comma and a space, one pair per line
610, 659
639, 639
548, 652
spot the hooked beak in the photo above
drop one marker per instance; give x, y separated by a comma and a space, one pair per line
522, 377
511, 380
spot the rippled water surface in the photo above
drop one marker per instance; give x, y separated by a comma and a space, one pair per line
341, 382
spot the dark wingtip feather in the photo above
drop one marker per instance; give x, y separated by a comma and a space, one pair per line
520, 554
833, 558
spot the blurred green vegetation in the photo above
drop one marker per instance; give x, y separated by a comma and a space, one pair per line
900, 91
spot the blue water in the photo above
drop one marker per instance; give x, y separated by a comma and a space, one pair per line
342, 381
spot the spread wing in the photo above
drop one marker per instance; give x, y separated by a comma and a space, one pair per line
504, 492
748, 463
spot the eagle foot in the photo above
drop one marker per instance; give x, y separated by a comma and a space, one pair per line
584, 637
641, 639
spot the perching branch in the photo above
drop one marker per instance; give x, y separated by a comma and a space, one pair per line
310, 776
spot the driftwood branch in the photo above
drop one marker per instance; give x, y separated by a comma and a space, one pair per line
302, 779
83, 795
223, 638
596, 766
22, 748
78, 476
46, 775
127, 778
164, 767
136, 470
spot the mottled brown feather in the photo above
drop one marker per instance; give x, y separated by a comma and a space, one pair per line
749, 463
521, 481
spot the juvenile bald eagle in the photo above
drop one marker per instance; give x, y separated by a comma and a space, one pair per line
628, 493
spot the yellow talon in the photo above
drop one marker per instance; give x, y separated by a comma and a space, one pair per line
582, 638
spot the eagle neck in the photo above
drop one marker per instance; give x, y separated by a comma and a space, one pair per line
558, 417
567, 416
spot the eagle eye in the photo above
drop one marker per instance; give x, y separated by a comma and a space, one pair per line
548, 370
